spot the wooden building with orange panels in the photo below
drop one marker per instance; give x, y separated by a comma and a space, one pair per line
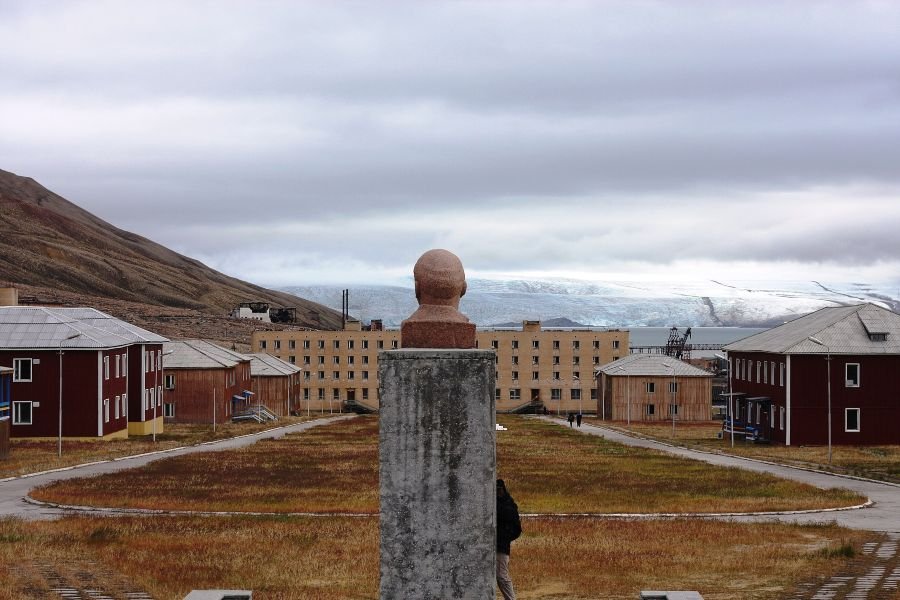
651, 387
204, 383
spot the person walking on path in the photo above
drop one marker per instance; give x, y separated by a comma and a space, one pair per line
571, 419
578, 419
509, 528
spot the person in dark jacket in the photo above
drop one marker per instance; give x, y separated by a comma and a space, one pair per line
571, 418
509, 528
578, 419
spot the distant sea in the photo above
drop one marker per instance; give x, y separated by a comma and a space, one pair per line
657, 336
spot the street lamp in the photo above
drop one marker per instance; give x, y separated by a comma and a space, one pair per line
59, 440
673, 407
730, 396
828, 375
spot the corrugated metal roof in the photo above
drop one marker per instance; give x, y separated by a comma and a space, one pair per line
651, 365
39, 327
200, 354
266, 365
841, 329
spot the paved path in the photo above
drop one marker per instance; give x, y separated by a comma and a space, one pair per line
13, 491
883, 516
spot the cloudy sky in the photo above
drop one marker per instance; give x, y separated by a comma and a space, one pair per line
333, 142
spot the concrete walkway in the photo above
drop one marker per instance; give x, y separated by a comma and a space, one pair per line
13, 491
883, 515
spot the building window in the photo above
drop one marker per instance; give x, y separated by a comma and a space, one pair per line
556, 375
766, 372
262, 344
321, 360
321, 394
351, 374
556, 344
365, 344
22, 372
118, 365
576, 375
335, 374
306, 360
535, 344
292, 359
576, 360
555, 360
515, 394
650, 387
335, 394
593, 393
306, 393
555, 394
277, 344
22, 413
596, 344
106, 410
781, 418
651, 409
336, 360
615, 344
394, 344
320, 344
380, 344
576, 345
515, 375
336, 344
321, 374
118, 399
782, 375
350, 344
673, 409
169, 409
673, 387
515, 360
365, 393
365, 360
535, 360
350, 360
306, 344
575, 393
169, 382
851, 420
497, 394
306, 375
495, 344
515, 344
534, 375
597, 360
106, 366
852, 374
365, 375
758, 369
772, 376
292, 344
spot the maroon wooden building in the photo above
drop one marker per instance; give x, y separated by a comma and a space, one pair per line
204, 383
780, 378
277, 384
101, 369
5, 409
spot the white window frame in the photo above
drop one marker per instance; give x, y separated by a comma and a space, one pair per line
118, 365
515, 393
169, 409
106, 368
17, 369
858, 420
781, 418
17, 416
673, 407
847, 381
116, 412
575, 393
651, 409
673, 387
650, 387
106, 410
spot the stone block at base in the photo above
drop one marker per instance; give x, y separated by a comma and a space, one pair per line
437, 474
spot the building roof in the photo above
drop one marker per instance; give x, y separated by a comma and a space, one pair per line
266, 365
40, 327
858, 329
650, 365
200, 354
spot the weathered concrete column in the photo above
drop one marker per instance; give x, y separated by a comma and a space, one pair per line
437, 472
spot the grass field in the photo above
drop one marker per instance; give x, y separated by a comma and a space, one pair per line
875, 462
334, 468
31, 456
337, 557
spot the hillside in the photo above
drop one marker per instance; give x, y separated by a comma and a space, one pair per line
56, 252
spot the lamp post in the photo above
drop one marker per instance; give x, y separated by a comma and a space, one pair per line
157, 392
59, 440
828, 375
730, 396
673, 406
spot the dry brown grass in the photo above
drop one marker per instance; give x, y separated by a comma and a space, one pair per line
876, 462
334, 468
32, 456
337, 558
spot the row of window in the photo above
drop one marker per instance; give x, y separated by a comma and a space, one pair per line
23, 368
765, 372
23, 410
650, 387
364, 344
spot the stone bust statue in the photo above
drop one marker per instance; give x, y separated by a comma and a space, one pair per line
437, 323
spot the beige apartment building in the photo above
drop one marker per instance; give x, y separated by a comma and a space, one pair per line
549, 367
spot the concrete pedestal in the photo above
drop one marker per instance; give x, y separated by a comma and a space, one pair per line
437, 473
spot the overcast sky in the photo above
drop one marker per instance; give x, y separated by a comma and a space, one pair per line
291, 143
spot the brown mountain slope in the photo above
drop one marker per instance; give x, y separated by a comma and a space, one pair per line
52, 248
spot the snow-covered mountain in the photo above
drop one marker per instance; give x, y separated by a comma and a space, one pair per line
616, 303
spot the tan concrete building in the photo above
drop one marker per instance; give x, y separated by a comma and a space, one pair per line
536, 367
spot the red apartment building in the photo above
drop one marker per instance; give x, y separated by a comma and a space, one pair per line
99, 372
780, 378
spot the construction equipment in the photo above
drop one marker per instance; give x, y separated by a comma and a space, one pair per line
676, 346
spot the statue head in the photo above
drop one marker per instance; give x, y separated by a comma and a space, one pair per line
440, 279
